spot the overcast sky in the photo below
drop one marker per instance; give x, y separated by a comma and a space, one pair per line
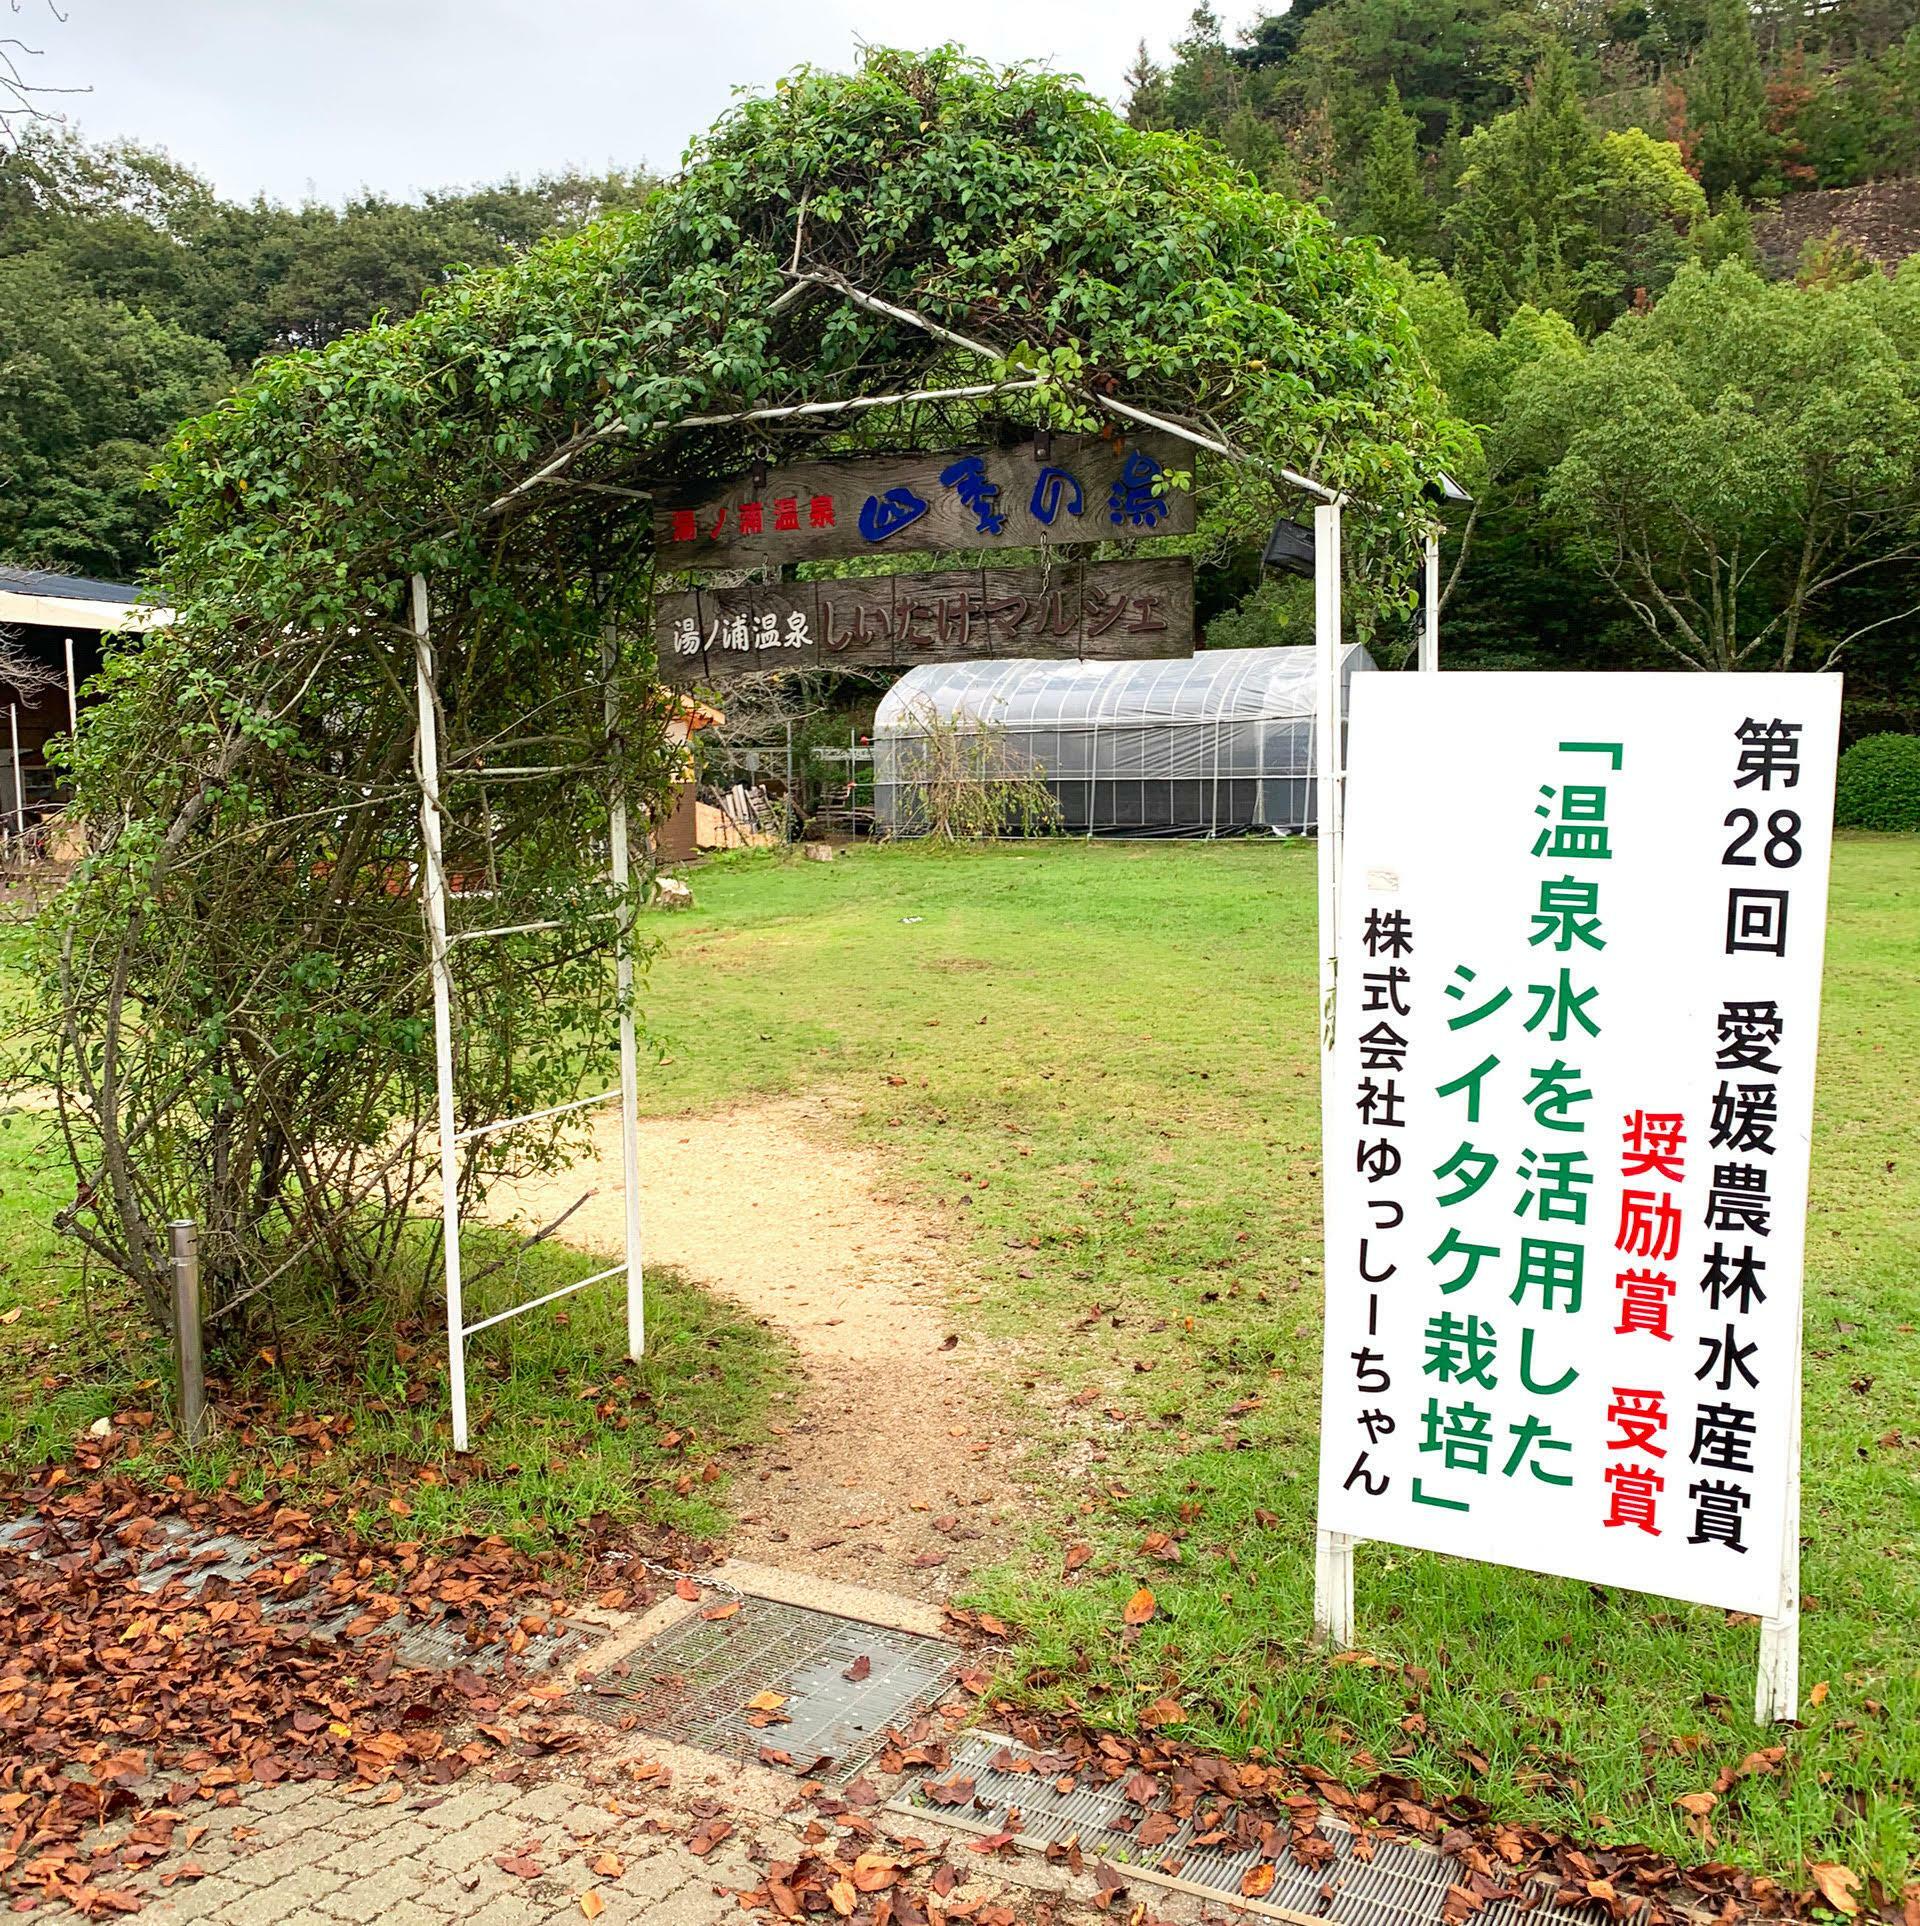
319, 98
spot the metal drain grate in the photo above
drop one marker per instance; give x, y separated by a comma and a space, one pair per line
1400, 1885
693, 1681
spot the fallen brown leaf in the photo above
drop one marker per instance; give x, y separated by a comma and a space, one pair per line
1836, 1885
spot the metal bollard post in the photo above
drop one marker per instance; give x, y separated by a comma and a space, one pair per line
192, 1405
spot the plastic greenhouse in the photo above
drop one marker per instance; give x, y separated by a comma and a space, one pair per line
1221, 745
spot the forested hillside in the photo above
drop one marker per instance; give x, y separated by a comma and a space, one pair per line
1654, 249
132, 296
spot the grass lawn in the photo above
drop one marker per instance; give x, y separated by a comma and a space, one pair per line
564, 1429
1098, 1061
1099, 1058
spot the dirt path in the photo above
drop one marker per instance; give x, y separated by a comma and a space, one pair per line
895, 1467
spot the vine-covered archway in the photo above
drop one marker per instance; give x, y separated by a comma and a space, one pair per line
919, 254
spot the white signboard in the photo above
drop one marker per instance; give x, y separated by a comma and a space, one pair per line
1580, 936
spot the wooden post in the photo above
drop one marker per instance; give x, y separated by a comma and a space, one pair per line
1333, 1550
191, 1407
73, 694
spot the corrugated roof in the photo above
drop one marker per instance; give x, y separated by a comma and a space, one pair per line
70, 588
1218, 685
38, 598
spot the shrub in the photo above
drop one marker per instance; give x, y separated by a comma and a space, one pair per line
1879, 785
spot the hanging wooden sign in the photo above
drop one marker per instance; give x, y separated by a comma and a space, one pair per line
1099, 611
1077, 488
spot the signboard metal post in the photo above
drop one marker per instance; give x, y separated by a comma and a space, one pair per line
1333, 1550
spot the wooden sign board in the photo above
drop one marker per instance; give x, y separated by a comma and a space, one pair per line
1086, 488
1096, 611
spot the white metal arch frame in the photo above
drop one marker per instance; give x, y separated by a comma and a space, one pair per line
1333, 1588
433, 894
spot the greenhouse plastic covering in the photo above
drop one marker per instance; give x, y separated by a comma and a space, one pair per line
1221, 745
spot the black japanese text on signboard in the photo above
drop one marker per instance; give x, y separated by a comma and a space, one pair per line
1083, 488
1103, 610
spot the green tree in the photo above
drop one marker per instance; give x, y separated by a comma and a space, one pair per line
89, 390
1510, 599
1393, 193
1738, 463
1523, 219
1726, 235
146, 287
1727, 104
1551, 213
1647, 208
1146, 84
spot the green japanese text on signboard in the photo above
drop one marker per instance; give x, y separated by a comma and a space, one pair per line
1075, 488
1105, 610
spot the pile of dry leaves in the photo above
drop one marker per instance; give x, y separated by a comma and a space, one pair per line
125, 1701
1274, 1807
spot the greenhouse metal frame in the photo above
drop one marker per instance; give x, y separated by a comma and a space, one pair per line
1220, 744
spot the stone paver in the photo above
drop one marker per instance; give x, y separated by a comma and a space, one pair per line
272, 1864
376, 1894
295, 1892
509, 1909
330, 1855
484, 1838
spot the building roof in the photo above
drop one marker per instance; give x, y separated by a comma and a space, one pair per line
43, 599
1215, 686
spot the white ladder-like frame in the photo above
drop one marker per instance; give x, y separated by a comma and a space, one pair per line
433, 891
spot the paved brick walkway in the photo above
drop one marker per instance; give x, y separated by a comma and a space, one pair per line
303, 1855
318, 1855
610, 1823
